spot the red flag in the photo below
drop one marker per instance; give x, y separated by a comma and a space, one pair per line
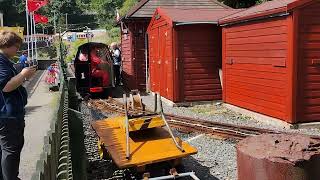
34, 5
40, 19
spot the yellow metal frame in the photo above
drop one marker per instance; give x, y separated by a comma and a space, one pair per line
147, 147
140, 123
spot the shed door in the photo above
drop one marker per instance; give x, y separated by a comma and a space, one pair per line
163, 62
199, 55
158, 61
154, 56
308, 104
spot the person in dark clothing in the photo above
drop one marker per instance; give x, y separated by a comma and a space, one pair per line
13, 98
116, 54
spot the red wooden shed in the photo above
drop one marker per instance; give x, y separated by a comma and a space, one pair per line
134, 39
185, 53
271, 59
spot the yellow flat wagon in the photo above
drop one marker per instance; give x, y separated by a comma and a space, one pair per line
149, 146
140, 140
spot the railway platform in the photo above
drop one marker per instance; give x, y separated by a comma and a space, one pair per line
39, 113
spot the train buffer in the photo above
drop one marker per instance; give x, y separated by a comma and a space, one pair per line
135, 141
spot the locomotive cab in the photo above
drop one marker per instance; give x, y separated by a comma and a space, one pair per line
93, 69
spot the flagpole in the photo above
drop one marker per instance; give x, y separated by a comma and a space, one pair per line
27, 17
35, 38
31, 22
34, 6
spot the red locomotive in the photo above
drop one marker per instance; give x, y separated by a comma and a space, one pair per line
93, 69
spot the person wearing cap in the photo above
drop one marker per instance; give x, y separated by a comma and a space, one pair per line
13, 99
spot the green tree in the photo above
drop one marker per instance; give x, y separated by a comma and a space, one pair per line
113, 35
48, 52
84, 4
127, 5
73, 48
57, 9
12, 10
106, 10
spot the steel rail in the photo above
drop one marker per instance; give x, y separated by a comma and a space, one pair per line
188, 124
238, 128
180, 122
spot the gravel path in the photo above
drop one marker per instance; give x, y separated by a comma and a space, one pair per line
216, 159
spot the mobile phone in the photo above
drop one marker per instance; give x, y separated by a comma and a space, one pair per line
34, 64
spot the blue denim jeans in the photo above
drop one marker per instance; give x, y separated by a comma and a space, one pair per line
11, 143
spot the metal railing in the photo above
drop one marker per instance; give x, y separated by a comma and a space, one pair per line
55, 160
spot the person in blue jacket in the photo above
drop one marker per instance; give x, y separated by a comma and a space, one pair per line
13, 98
23, 59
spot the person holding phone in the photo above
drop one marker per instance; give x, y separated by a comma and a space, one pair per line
13, 99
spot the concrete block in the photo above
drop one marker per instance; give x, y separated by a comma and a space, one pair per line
310, 125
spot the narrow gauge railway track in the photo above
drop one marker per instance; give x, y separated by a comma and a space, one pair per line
113, 106
220, 129
223, 130
187, 124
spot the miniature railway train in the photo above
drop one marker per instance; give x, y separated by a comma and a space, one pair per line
93, 68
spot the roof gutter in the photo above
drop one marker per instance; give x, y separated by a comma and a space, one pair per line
257, 18
190, 23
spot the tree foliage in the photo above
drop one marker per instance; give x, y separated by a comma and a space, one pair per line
13, 10
91, 13
127, 5
113, 35
105, 10
73, 48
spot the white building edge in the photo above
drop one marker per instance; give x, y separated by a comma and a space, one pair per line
1, 19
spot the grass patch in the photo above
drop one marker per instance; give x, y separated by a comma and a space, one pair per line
218, 109
209, 109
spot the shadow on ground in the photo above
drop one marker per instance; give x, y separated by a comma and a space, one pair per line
105, 169
30, 109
